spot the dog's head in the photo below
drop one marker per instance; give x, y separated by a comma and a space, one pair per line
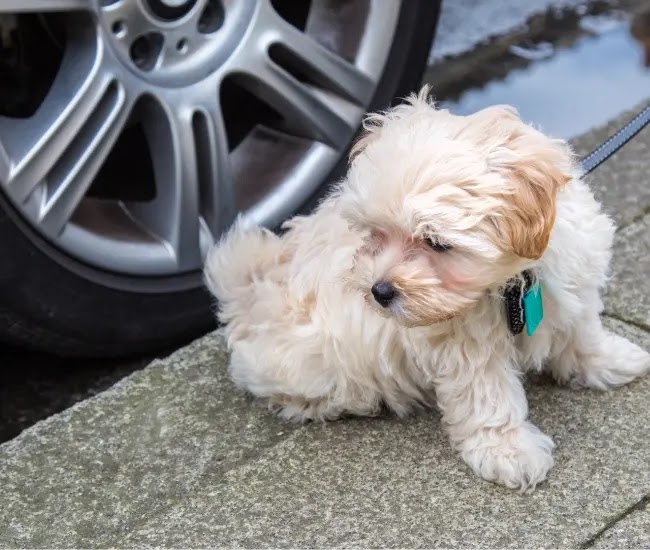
451, 206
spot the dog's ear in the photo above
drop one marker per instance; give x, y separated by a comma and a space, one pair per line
531, 216
534, 168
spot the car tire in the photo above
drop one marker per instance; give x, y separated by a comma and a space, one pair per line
49, 301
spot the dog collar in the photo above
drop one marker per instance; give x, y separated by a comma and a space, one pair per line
522, 298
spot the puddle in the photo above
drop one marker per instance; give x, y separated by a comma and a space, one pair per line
579, 71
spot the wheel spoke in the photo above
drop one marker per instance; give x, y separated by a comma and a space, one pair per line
302, 106
173, 215
5, 164
72, 175
23, 6
217, 204
36, 144
308, 109
321, 65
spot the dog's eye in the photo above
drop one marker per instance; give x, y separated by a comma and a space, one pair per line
437, 245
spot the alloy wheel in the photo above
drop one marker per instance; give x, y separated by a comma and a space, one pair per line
166, 119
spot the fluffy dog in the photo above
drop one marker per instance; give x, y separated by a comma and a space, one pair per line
391, 292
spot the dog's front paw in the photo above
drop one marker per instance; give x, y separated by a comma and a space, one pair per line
519, 458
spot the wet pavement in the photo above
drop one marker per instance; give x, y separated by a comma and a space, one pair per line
567, 69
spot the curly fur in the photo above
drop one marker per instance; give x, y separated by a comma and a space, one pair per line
307, 334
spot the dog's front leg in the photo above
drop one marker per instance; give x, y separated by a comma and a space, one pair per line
485, 412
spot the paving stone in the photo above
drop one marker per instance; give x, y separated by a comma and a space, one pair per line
85, 477
384, 482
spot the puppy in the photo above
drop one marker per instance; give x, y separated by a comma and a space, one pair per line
392, 292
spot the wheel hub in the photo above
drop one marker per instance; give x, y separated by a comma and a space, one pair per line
169, 10
172, 42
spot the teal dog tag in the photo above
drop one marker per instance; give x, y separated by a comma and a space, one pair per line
533, 308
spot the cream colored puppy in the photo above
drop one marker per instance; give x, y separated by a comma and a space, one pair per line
391, 293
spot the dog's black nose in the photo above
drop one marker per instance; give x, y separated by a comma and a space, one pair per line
383, 292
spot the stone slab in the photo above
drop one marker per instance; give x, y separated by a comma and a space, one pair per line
386, 483
86, 477
170, 458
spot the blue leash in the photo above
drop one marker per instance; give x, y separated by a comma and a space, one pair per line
599, 155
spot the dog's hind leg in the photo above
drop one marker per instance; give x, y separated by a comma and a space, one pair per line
591, 356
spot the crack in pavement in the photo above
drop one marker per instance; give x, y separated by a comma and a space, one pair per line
637, 324
639, 217
636, 507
